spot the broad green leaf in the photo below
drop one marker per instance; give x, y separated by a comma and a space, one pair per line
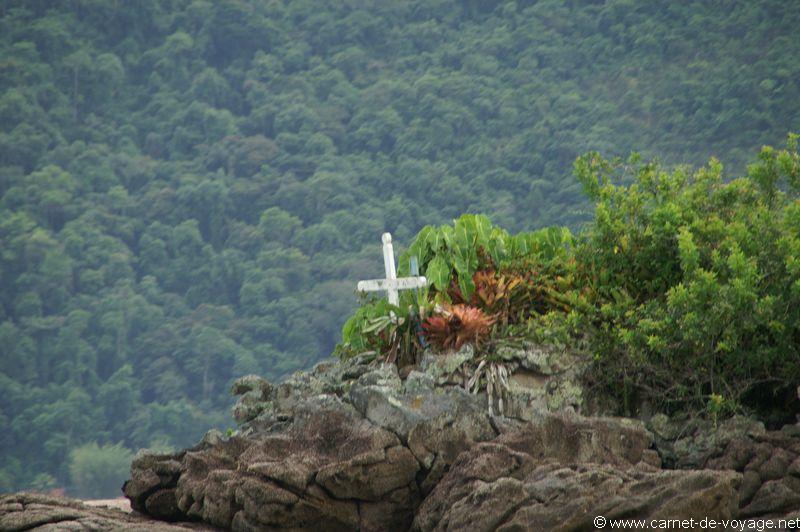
349, 331
377, 324
483, 229
461, 240
472, 260
461, 265
447, 234
497, 250
467, 222
435, 239
421, 246
438, 273
466, 285
423, 234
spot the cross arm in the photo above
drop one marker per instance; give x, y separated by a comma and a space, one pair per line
404, 283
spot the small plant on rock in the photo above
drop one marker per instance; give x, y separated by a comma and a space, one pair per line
391, 333
493, 376
457, 325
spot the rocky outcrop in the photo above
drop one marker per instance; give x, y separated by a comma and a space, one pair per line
542, 378
353, 446
493, 488
563, 472
769, 461
318, 451
32, 511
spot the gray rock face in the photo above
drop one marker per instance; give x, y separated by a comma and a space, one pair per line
330, 469
691, 444
32, 511
434, 423
492, 487
541, 379
339, 447
560, 472
768, 461
355, 446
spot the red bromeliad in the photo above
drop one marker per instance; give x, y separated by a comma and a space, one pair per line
457, 325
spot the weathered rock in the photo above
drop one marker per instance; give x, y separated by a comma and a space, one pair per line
499, 486
151, 474
315, 474
548, 439
32, 511
769, 461
542, 379
772, 498
264, 407
570, 438
252, 383
448, 368
435, 423
358, 445
692, 444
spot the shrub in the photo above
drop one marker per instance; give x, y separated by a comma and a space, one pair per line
384, 330
695, 281
685, 287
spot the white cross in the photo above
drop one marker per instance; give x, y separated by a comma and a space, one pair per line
391, 284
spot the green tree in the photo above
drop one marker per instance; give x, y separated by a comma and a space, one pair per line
98, 471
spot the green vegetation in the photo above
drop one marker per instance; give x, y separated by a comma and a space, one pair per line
685, 288
99, 470
696, 282
189, 190
475, 270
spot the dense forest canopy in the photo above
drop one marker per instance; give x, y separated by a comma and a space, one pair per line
190, 189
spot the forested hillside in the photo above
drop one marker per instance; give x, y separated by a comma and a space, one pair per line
191, 189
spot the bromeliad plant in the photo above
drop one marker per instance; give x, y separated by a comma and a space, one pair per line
493, 293
481, 280
456, 325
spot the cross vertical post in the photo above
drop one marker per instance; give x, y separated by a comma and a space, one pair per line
388, 266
